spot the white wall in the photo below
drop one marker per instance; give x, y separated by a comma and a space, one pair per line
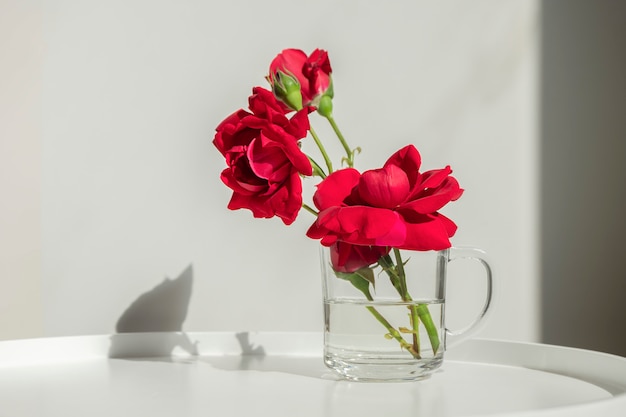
21, 60
120, 167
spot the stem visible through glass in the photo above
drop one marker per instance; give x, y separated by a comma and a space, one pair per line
419, 312
392, 331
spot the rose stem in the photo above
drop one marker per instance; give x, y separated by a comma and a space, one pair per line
392, 331
414, 316
349, 151
398, 279
319, 144
431, 329
317, 169
422, 309
309, 209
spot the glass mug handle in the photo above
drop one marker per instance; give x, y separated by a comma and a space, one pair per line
454, 337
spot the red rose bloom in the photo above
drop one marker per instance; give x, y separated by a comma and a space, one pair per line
263, 157
395, 206
312, 72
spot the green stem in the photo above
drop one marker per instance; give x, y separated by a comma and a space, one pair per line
431, 329
415, 321
393, 332
317, 169
415, 324
344, 143
320, 146
401, 273
387, 264
309, 209
390, 329
418, 312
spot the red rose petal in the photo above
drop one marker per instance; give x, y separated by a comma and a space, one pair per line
431, 234
409, 160
335, 188
385, 188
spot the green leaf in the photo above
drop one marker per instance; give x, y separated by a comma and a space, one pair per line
361, 280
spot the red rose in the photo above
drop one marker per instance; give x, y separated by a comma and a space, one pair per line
263, 157
312, 72
394, 206
345, 257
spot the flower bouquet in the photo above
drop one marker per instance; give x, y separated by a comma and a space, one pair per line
362, 219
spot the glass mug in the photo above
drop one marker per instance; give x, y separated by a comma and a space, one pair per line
380, 327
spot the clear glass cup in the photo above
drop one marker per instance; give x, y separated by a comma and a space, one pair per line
387, 323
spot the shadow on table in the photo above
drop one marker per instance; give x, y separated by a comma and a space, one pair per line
158, 315
254, 358
150, 329
293, 365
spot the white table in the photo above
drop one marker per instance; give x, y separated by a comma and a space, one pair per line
282, 374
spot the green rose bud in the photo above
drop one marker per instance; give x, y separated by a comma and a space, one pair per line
287, 89
325, 107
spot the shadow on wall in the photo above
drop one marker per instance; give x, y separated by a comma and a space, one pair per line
162, 309
583, 152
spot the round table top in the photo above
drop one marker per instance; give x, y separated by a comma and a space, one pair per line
282, 374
